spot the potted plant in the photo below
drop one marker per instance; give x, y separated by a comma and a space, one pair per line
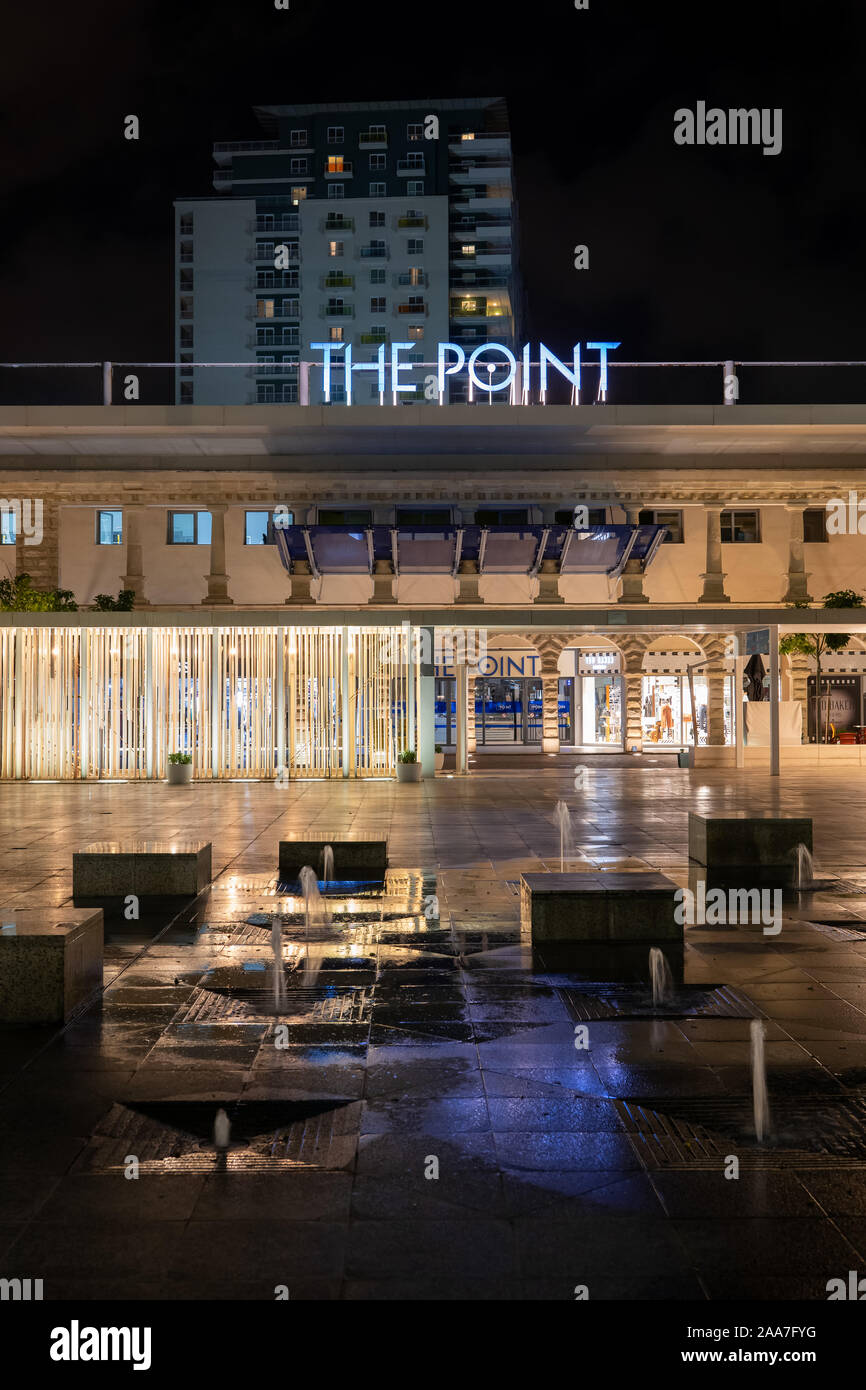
439, 761
179, 769
408, 766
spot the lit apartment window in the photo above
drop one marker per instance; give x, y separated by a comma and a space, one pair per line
415, 131
377, 190
335, 248
297, 138
672, 520
415, 246
299, 194
377, 219
416, 275
470, 135
815, 525
336, 190
415, 188
377, 277
377, 305
7, 528
109, 528
297, 166
335, 164
335, 333
259, 527
416, 331
189, 528
468, 249
336, 134
378, 162
741, 528
264, 308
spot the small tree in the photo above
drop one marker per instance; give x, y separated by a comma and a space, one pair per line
817, 644
19, 595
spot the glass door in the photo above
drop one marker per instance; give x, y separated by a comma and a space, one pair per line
446, 711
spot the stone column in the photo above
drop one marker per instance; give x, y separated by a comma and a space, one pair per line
471, 737
383, 575
550, 713
631, 580
302, 578
715, 706
797, 590
134, 577
633, 682
548, 583
800, 670
37, 541
217, 579
714, 577
467, 582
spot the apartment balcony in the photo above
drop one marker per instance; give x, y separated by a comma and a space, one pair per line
224, 149
417, 310
334, 223
412, 222
374, 339
337, 311
343, 173
375, 253
373, 140
284, 369
480, 173
488, 203
269, 222
280, 338
337, 282
223, 178
481, 141
409, 168
292, 310
408, 278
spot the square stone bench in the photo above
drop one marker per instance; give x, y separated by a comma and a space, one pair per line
50, 962
147, 868
355, 856
757, 843
608, 907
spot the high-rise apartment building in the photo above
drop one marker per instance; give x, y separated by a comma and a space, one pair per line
359, 226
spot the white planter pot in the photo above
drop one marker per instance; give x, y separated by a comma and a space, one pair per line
179, 774
439, 761
408, 772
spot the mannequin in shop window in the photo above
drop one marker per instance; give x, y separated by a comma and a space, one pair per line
667, 721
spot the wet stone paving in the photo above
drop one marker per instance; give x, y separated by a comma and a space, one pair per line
413, 1111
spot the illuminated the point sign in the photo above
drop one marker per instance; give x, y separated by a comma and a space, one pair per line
499, 371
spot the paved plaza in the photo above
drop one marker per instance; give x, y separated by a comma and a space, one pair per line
417, 1121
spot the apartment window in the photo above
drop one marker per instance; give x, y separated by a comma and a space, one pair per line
501, 516
186, 338
415, 331
345, 516
335, 248
259, 527
297, 166
109, 528
377, 219
377, 132
413, 161
186, 280
186, 357
336, 190
7, 528
422, 516
186, 251
186, 396
291, 308
265, 337
377, 277
815, 525
741, 528
597, 517
377, 190
265, 279
672, 520
186, 224
297, 137
189, 528
336, 134
335, 333
468, 249
379, 332
377, 305
186, 307
378, 162
415, 246
415, 188
299, 193
415, 131
265, 308
416, 275
335, 164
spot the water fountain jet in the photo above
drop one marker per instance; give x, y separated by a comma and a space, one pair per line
662, 979
760, 1102
562, 817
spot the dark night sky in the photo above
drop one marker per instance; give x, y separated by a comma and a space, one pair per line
695, 253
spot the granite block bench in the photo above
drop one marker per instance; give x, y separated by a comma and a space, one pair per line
147, 868
355, 856
599, 907
757, 845
50, 962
